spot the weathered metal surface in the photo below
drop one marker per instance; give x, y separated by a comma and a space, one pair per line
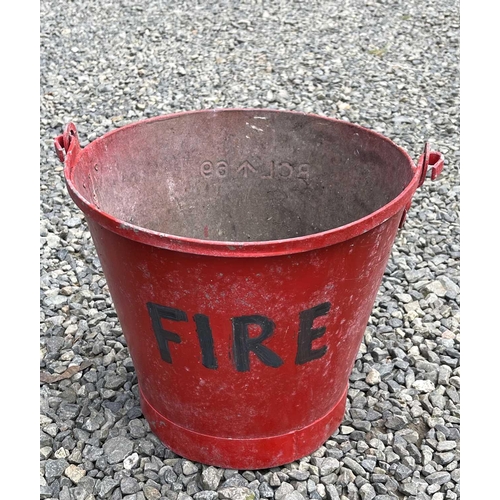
243, 250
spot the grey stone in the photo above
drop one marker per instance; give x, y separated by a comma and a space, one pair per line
237, 493
68, 411
409, 435
311, 485
192, 487
408, 488
329, 478
396, 422
248, 475
210, 478
117, 449
367, 492
75, 473
79, 493
45, 492
369, 464
446, 445
116, 495
452, 289
169, 476
436, 287
65, 494
106, 486
354, 466
321, 490
438, 478
274, 480
189, 468
444, 458
294, 495
328, 465
373, 377
283, 489
87, 485
114, 380
206, 495
129, 485
331, 492
235, 480
131, 461
265, 490
402, 472
346, 429
346, 477
362, 425
299, 475
136, 428
423, 386
55, 469
151, 493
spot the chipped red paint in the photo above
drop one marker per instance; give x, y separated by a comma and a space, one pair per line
243, 349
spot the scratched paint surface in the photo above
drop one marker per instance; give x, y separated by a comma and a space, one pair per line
263, 399
239, 346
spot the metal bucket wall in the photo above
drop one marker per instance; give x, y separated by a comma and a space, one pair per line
243, 265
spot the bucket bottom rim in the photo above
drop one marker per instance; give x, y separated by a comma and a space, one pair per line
244, 454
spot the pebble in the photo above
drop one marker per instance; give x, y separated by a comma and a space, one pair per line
106, 486
373, 377
74, 473
265, 490
151, 493
331, 492
446, 445
294, 495
354, 466
117, 449
283, 489
189, 468
423, 385
438, 478
236, 493
436, 287
210, 478
131, 461
367, 492
299, 475
328, 465
54, 469
206, 495
129, 485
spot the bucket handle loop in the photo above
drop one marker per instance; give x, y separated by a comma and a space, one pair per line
67, 144
429, 159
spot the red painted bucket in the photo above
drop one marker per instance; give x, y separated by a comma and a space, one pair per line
243, 250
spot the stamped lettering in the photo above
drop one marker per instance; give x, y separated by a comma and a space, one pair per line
272, 169
207, 169
222, 169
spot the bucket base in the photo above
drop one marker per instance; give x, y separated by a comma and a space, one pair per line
244, 454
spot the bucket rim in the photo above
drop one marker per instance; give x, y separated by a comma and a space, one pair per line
217, 248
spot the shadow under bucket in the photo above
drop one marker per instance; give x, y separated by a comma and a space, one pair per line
243, 250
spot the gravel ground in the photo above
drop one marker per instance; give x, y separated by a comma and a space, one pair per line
389, 65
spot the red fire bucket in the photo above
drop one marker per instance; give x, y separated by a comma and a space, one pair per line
243, 250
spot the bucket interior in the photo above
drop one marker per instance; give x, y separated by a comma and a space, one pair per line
241, 175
